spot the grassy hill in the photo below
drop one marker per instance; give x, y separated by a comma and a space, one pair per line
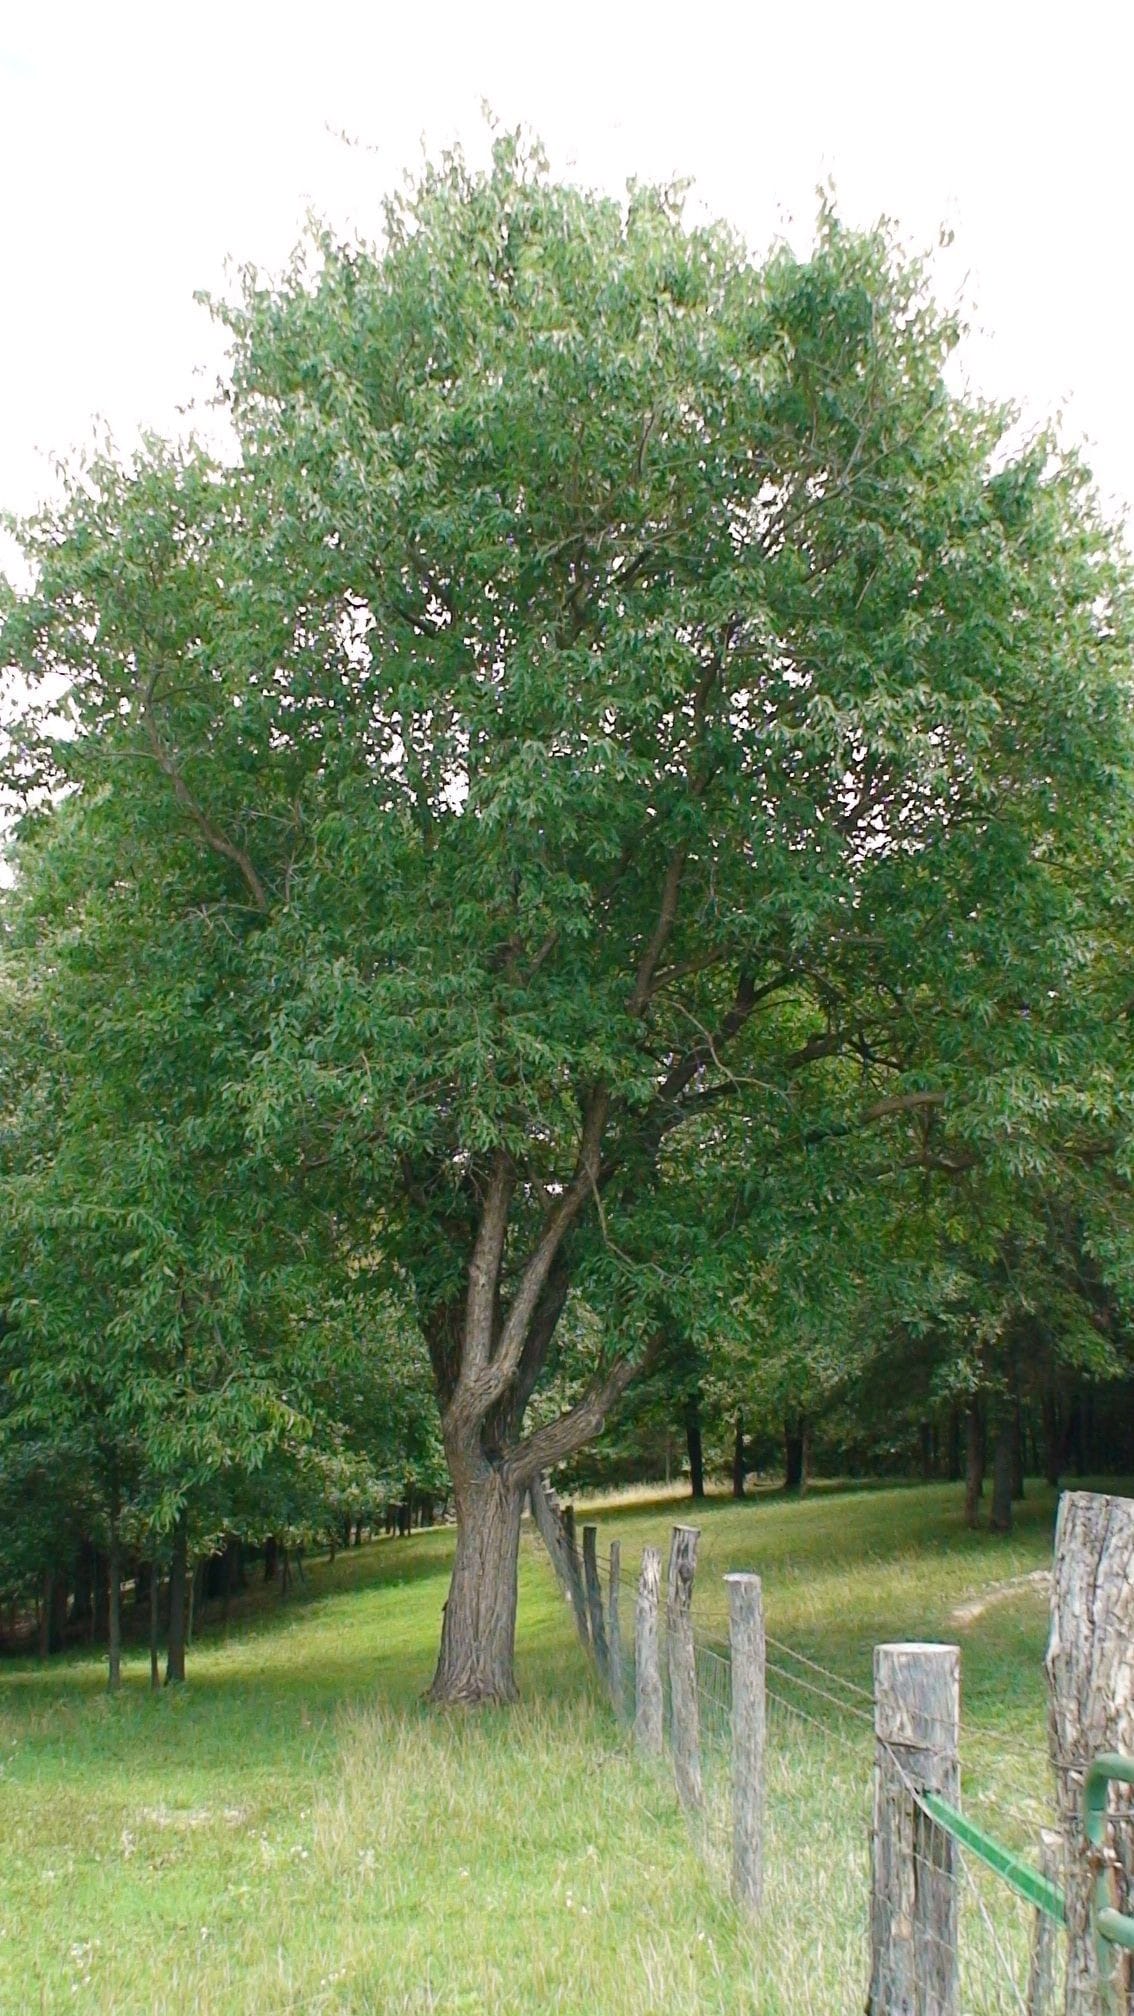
294, 1832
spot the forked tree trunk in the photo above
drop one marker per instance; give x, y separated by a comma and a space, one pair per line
478, 1637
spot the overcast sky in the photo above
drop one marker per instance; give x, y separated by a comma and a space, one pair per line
142, 146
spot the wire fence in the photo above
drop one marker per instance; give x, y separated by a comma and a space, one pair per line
1005, 1957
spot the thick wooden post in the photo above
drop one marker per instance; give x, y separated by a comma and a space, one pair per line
913, 1905
1045, 1933
685, 1733
614, 1630
647, 1668
1090, 1670
746, 1642
594, 1601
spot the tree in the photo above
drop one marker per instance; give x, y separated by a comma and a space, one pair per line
606, 699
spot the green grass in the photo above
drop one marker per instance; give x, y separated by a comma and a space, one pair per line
294, 1831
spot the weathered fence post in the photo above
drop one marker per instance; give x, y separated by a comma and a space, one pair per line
1045, 1933
556, 1528
913, 1904
685, 1732
647, 1669
746, 1642
1090, 1670
614, 1630
594, 1601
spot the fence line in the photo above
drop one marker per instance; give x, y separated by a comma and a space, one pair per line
981, 1945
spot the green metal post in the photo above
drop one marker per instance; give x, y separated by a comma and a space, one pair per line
1112, 1928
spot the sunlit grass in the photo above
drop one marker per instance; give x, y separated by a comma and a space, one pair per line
294, 1831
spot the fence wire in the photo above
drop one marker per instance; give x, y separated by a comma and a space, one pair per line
819, 1778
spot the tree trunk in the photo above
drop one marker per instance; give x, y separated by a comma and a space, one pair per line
738, 1459
795, 1453
974, 1462
693, 1444
1000, 1513
82, 1607
114, 1612
1016, 1443
1052, 1438
178, 1604
44, 1622
478, 1637
925, 1449
953, 1446
155, 1584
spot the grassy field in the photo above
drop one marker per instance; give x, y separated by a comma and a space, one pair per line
294, 1832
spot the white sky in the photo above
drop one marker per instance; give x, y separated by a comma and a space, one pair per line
141, 146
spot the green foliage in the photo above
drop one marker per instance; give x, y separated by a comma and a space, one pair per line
621, 745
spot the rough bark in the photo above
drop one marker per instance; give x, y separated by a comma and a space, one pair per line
1090, 1670
478, 1636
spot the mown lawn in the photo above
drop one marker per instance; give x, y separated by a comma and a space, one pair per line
293, 1831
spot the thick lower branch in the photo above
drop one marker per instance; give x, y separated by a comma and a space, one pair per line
558, 1439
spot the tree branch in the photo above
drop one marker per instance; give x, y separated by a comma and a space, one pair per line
209, 833
482, 1385
484, 1267
667, 916
560, 1438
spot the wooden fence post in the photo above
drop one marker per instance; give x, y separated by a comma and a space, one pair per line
594, 1601
614, 1630
685, 1732
746, 1642
647, 1669
1045, 1933
913, 1904
1090, 1671
556, 1528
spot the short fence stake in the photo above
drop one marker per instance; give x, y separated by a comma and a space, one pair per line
594, 1601
746, 1641
647, 1670
1045, 1934
913, 1905
614, 1630
686, 1736
1090, 1670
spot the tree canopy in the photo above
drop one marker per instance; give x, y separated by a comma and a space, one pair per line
622, 756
